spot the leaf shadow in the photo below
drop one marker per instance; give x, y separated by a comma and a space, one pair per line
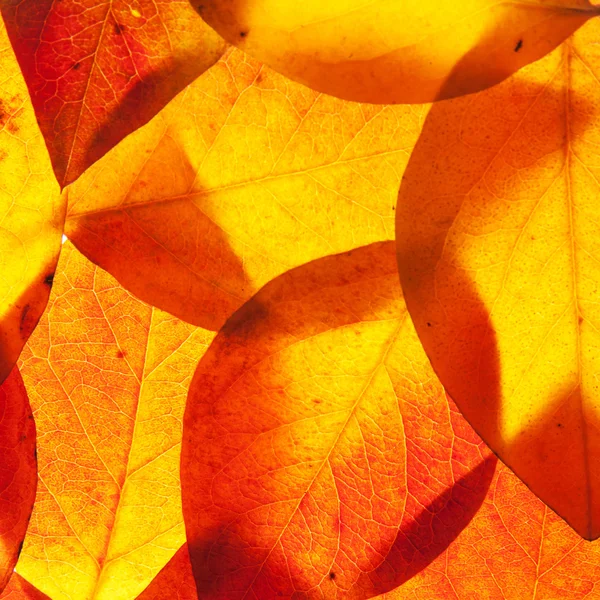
168, 253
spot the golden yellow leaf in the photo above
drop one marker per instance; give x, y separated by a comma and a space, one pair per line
320, 457
498, 248
242, 177
32, 213
107, 377
388, 51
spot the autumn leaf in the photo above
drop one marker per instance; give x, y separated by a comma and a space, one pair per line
20, 589
174, 582
107, 377
320, 456
97, 71
515, 547
498, 246
32, 214
242, 177
18, 471
396, 51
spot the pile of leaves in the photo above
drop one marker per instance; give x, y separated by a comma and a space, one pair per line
281, 281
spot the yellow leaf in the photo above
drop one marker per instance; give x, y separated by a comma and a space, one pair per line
498, 248
32, 213
388, 51
242, 177
107, 377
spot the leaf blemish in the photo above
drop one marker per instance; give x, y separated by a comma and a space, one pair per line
519, 45
24, 316
118, 29
332, 575
243, 34
76, 65
49, 279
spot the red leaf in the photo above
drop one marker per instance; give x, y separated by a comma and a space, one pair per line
18, 471
97, 71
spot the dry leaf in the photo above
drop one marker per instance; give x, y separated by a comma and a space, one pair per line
320, 456
18, 471
32, 214
242, 177
498, 249
107, 377
388, 51
97, 71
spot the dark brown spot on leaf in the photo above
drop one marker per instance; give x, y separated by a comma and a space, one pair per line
76, 65
332, 575
519, 45
119, 28
243, 34
49, 279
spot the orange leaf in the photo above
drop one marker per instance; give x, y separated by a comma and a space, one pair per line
19, 589
107, 377
396, 51
97, 71
515, 547
498, 248
18, 471
174, 582
242, 177
32, 214
320, 456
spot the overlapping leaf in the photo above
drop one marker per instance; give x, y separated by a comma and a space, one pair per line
97, 71
18, 471
32, 214
175, 581
389, 51
498, 248
107, 378
320, 456
20, 589
242, 177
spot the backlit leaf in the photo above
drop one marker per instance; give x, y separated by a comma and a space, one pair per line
514, 548
242, 177
107, 377
32, 214
97, 71
498, 248
388, 51
18, 471
20, 589
320, 456
174, 582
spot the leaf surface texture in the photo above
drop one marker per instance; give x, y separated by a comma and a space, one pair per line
107, 377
